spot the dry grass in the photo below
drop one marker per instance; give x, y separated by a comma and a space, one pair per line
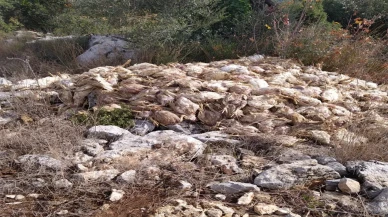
44, 58
374, 149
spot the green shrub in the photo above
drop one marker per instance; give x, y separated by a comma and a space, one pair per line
121, 117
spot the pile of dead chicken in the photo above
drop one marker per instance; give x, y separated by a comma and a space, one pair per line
245, 96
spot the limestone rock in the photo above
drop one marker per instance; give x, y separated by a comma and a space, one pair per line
91, 147
220, 197
127, 177
373, 175
63, 183
116, 195
105, 49
345, 201
226, 161
265, 209
106, 132
233, 187
321, 137
246, 198
101, 175
142, 127
216, 137
213, 212
349, 186
287, 175
41, 161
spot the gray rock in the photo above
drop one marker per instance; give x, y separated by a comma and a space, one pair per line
102, 175
324, 159
41, 161
142, 127
179, 143
105, 49
233, 187
379, 205
227, 161
80, 157
106, 132
7, 117
216, 137
127, 177
338, 167
321, 137
4, 83
178, 128
91, 147
287, 175
186, 127
373, 175
290, 155
332, 185
131, 141
343, 200
63, 183
349, 186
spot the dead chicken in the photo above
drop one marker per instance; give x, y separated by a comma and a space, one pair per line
233, 103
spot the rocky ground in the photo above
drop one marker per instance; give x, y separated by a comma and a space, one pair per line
247, 137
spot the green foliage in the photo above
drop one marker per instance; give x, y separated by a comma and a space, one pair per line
308, 11
336, 12
121, 117
34, 15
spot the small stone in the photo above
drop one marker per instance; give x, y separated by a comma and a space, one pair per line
127, 177
105, 207
82, 168
246, 198
283, 211
265, 209
220, 197
213, 212
316, 195
349, 186
116, 195
63, 183
14, 203
10, 196
292, 215
35, 196
62, 212
185, 185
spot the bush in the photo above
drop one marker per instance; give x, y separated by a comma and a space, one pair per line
121, 117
